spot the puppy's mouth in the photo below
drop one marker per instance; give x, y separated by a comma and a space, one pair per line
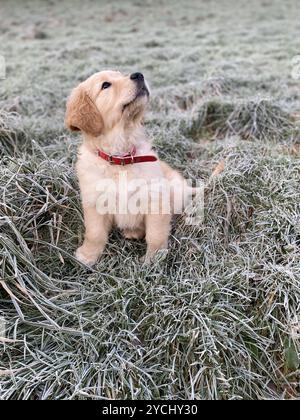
141, 92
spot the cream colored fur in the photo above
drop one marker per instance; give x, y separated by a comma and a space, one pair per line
106, 124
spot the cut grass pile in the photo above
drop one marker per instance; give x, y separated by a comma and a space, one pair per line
217, 317
11, 135
259, 119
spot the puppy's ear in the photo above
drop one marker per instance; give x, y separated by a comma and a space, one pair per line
82, 114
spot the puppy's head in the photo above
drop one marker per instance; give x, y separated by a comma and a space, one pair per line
105, 100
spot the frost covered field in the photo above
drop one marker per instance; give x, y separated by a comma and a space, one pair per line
218, 318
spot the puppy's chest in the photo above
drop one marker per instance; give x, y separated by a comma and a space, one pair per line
115, 183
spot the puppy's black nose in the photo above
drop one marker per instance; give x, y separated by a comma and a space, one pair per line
137, 76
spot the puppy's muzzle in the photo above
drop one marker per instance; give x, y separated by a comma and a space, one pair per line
137, 77
139, 80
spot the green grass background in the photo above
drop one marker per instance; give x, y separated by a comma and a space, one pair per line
218, 317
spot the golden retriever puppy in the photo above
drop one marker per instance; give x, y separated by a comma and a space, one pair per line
108, 109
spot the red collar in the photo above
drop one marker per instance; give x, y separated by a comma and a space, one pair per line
127, 158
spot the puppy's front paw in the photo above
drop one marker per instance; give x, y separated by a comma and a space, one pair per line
155, 257
85, 258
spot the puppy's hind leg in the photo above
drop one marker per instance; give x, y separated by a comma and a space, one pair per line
134, 233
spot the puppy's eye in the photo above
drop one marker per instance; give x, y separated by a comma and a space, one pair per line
105, 85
